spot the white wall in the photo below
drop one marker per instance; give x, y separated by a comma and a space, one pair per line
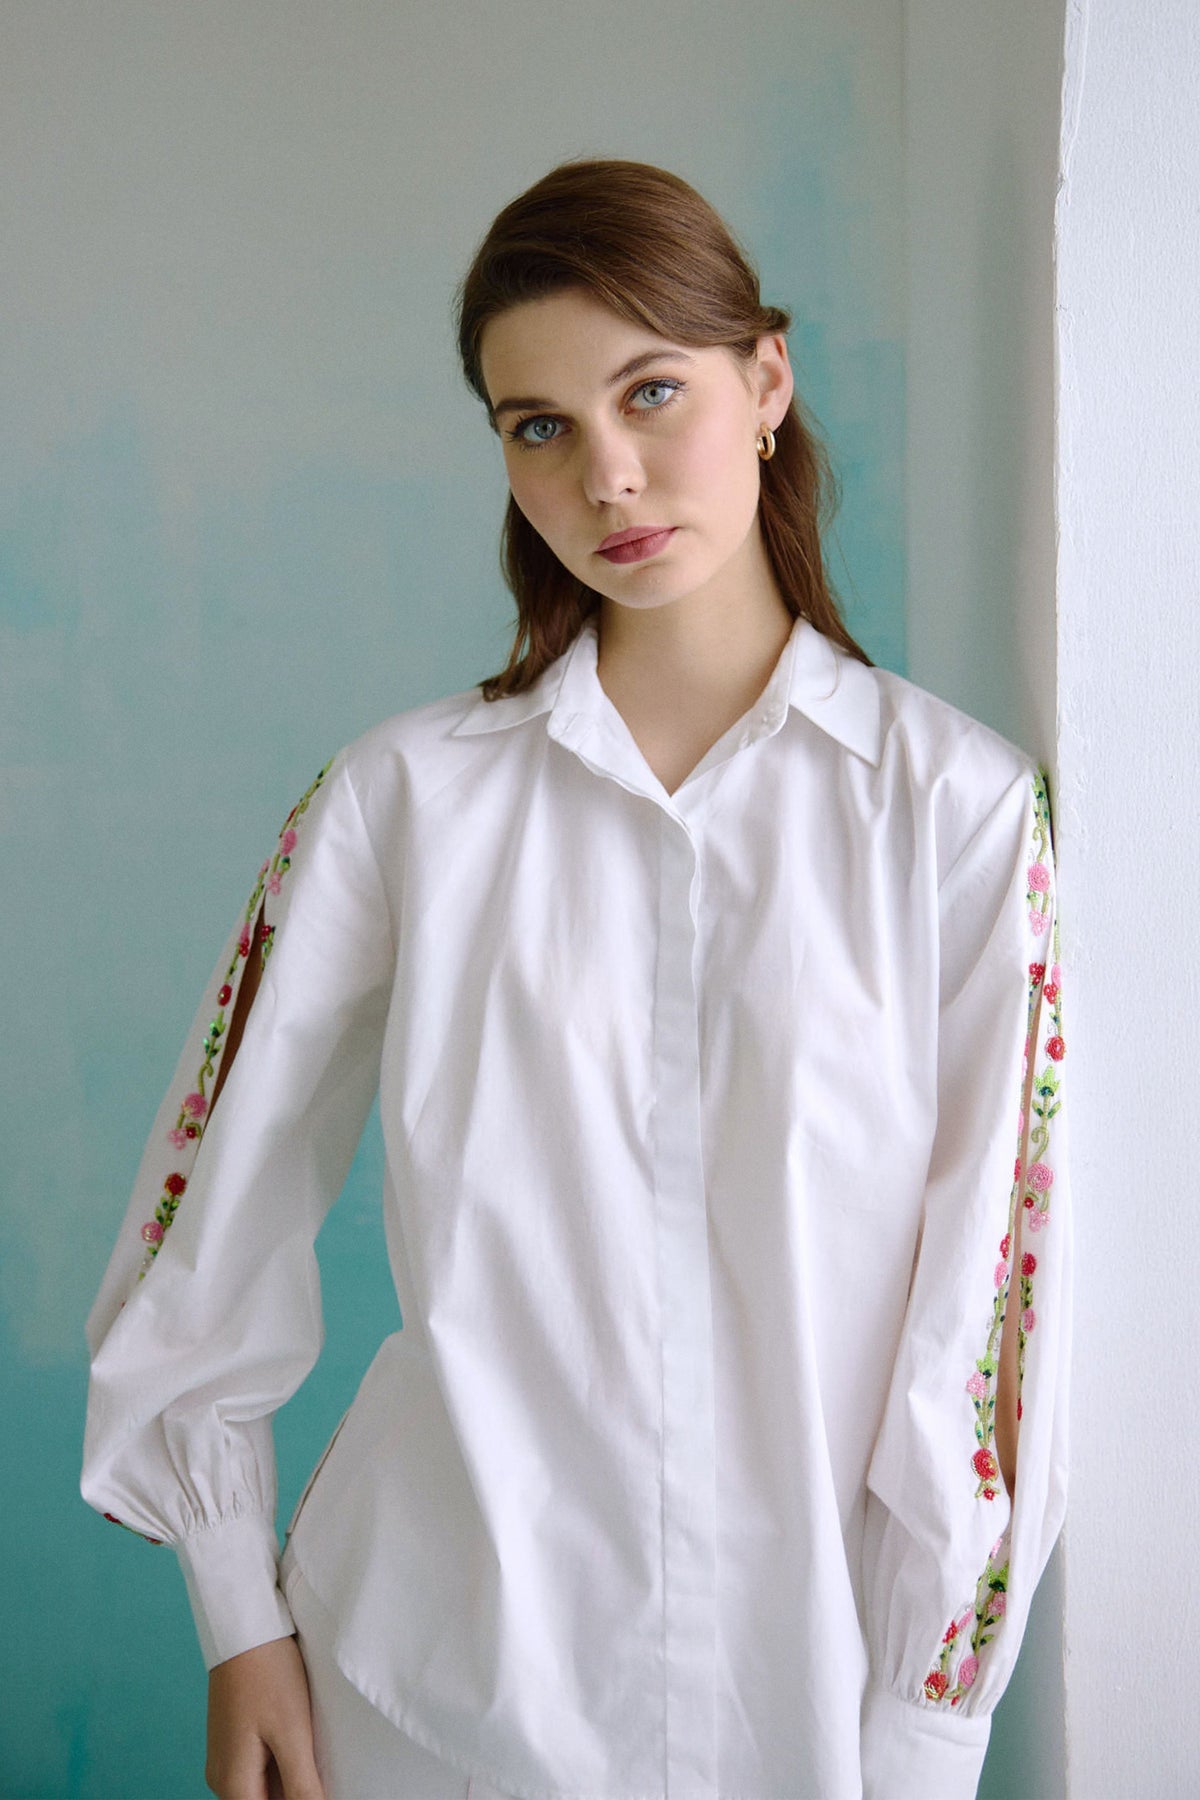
1129, 650
981, 133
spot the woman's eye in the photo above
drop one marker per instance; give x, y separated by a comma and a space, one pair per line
657, 394
650, 396
535, 431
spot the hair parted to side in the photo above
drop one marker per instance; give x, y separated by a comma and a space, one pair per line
647, 245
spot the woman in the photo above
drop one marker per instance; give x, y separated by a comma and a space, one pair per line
706, 975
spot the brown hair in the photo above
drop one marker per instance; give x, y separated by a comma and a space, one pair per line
645, 244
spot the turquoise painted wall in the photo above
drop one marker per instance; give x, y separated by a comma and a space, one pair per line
246, 510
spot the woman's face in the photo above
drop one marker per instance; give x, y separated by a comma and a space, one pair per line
610, 430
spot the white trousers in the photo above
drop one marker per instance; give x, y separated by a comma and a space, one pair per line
361, 1755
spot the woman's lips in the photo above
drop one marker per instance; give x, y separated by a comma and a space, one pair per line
635, 546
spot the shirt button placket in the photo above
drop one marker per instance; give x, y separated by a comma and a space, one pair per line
688, 1469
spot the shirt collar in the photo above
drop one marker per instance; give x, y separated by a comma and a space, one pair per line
513, 709
830, 687
836, 691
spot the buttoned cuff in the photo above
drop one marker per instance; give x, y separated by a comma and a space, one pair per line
232, 1582
911, 1752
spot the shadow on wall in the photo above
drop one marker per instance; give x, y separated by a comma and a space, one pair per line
1025, 1753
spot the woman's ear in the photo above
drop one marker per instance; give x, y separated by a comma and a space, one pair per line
773, 376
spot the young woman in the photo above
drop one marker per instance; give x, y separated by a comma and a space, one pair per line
706, 973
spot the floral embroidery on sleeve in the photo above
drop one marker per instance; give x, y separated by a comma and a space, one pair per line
949, 1680
1033, 1174
189, 1125
957, 1665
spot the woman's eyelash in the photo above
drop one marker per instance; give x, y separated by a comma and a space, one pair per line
672, 385
515, 433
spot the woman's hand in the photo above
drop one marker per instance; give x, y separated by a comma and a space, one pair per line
260, 1742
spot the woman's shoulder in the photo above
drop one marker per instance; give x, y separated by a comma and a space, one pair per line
433, 741
960, 773
413, 755
939, 741
418, 730
903, 731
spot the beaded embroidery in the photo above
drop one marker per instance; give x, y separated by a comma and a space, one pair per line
1033, 1175
194, 1108
984, 1617
1033, 1180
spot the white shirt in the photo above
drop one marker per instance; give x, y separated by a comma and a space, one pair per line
700, 1114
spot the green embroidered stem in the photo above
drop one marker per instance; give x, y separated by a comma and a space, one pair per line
991, 1599
1030, 1197
194, 1108
1032, 1174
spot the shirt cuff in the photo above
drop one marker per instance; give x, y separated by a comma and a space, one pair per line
232, 1582
911, 1752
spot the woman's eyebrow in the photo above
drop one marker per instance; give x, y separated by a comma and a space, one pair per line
529, 403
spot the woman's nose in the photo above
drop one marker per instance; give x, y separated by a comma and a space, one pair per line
612, 467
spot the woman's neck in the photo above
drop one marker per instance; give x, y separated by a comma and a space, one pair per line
682, 673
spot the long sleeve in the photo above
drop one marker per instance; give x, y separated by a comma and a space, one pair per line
209, 1314
950, 1565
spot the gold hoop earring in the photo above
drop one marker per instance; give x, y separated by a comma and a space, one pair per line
765, 443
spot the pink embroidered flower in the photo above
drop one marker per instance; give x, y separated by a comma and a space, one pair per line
968, 1669
951, 1632
977, 1385
287, 842
1038, 921
1056, 975
1001, 1274
274, 883
997, 1604
985, 1465
1041, 1177
196, 1105
936, 1684
1039, 878
1051, 991
1017, 1170
1056, 1049
1036, 972
1028, 1319
1028, 1263
1021, 1112
1037, 1218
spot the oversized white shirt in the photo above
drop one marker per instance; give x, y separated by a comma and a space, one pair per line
701, 1114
